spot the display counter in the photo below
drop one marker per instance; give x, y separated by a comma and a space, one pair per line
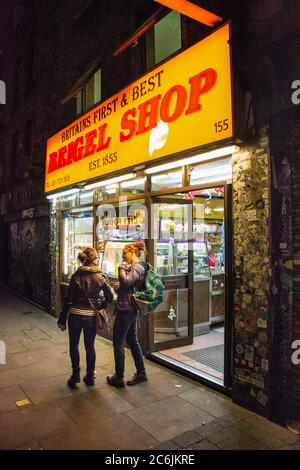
171, 261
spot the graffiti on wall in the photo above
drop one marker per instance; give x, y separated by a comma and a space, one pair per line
251, 274
28, 259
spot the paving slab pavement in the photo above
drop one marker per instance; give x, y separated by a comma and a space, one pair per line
168, 412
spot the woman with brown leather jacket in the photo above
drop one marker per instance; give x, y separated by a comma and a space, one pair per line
86, 283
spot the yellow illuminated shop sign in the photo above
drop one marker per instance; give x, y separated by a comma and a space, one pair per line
183, 104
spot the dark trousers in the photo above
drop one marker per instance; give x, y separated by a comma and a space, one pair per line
125, 330
76, 324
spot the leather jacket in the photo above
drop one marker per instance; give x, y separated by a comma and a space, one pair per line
131, 278
96, 285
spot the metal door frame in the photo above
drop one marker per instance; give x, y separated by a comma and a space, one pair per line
152, 346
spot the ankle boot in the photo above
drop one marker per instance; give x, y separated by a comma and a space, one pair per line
137, 378
89, 378
75, 377
115, 381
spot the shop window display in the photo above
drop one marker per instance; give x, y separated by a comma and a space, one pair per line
170, 179
106, 192
132, 187
119, 224
77, 235
219, 170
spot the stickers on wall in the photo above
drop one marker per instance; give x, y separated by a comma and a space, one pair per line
250, 377
249, 353
251, 215
252, 266
265, 365
262, 398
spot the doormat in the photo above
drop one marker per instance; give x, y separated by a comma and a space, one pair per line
212, 357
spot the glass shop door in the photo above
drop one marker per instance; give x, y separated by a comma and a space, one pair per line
171, 253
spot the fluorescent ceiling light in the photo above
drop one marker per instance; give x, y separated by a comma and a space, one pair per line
62, 194
223, 152
192, 11
166, 176
129, 176
214, 170
136, 182
84, 195
111, 186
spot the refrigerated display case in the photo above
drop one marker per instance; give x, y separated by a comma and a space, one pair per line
164, 256
172, 258
200, 258
208, 287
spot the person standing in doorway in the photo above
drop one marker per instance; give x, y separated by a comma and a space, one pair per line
132, 274
86, 285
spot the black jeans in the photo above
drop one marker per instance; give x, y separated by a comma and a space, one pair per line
125, 330
76, 323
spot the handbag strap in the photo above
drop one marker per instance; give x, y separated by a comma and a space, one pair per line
83, 288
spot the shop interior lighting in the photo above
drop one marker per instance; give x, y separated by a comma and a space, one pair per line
193, 11
166, 176
203, 157
128, 176
84, 195
63, 193
136, 182
66, 234
213, 170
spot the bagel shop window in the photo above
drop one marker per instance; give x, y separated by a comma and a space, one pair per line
204, 352
77, 228
77, 235
166, 180
219, 170
69, 201
133, 187
117, 224
109, 191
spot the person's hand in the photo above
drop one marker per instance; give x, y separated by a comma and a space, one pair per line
61, 327
125, 265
